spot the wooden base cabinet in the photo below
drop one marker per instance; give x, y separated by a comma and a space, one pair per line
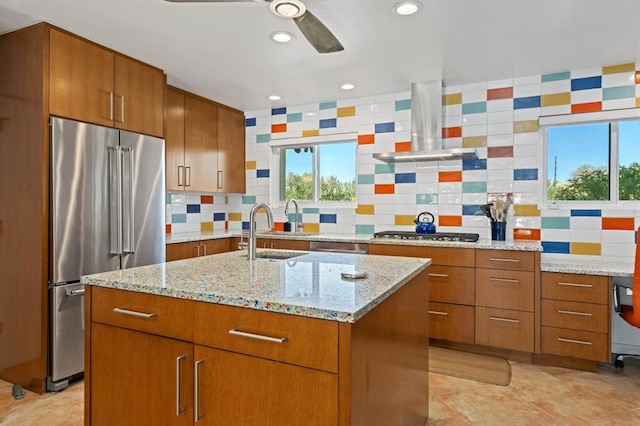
188, 250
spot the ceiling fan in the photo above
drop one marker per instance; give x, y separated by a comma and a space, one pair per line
315, 31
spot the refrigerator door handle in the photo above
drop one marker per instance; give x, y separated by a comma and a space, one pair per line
115, 195
132, 230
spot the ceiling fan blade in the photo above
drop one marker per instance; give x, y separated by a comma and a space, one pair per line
318, 35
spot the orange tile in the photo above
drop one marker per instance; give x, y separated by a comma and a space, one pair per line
309, 133
586, 107
450, 176
385, 188
618, 223
449, 220
502, 93
206, 199
167, 229
278, 226
366, 139
279, 128
637, 77
452, 132
526, 234
403, 146
499, 151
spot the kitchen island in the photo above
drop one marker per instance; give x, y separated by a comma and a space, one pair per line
279, 340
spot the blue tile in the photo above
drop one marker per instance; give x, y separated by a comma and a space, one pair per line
586, 83
219, 217
250, 122
193, 208
470, 209
328, 123
525, 174
365, 229
556, 76
264, 138
476, 164
262, 173
328, 218
278, 111
245, 226
474, 108
528, 102
555, 247
405, 178
179, 218
403, 105
328, 105
385, 127
294, 118
248, 199
587, 213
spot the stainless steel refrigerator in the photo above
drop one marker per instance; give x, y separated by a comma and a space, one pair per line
107, 213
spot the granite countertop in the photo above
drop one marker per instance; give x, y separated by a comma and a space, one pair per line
611, 269
308, 285
358, 238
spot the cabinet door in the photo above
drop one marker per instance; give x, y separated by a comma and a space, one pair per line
174, 141
179, 251
139, 379
81, 79
200, 145
139, 97
216, 246
235, 389
270, 243
231, 151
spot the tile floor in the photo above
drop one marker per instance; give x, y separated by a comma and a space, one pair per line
536, 396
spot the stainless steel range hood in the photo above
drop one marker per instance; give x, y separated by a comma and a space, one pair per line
426, 128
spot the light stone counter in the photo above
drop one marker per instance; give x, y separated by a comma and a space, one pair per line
611, 269
308, 285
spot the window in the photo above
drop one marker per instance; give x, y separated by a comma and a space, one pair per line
592, 157
318, 172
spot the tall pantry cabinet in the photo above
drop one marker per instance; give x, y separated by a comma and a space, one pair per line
47, 71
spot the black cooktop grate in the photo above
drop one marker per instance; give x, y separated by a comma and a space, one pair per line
438, 236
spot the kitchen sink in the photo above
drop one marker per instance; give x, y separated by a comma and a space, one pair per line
277, 254
285, 233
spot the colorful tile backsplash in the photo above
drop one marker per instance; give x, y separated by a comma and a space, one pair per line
498, 118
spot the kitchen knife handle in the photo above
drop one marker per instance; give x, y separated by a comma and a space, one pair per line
179, 410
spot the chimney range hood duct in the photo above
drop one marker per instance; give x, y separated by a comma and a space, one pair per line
426, 128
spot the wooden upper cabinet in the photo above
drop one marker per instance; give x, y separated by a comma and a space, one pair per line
174, 140
93, 84
231, 151
200, 144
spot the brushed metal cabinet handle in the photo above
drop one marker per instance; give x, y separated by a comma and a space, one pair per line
196, 393
219, 179
439, 275
122, 109
579, 342
499, 259
134, 313
205, 249
179, 410
583, 314
504, 280
237, 332
187, 172
181, 174
198, 250
110, 106
575, 285
444, 314
79, 292
504, 319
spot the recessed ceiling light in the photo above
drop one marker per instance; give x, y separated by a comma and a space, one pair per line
287, 8
407, 7
281, 36
348, 86
274, 97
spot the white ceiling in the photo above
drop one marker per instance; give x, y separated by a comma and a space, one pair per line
222, 50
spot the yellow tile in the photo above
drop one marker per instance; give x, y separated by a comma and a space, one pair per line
556, 99
526, 210
637, 102
614, 69
251, 165
589, 249
404, 219
346, 111
311, 227
525, 126
474, 142
206, 226
365, 209
307, 133
235, 217
452, 99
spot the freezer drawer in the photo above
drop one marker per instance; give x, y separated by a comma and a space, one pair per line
67, 331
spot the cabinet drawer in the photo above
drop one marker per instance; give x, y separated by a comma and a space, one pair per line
503, 328
575, 315
505, 259
439, 255
309, 342
574, 343
504, 289
452, 322
575, 287
452, 284
272, 243
161, 315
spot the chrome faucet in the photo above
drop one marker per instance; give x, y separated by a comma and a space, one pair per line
298, 225
252, 226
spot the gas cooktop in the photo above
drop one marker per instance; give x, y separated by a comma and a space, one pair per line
438, 236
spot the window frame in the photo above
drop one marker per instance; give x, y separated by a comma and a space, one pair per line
612, 117
312, 141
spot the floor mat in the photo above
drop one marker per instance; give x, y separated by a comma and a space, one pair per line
466, 365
